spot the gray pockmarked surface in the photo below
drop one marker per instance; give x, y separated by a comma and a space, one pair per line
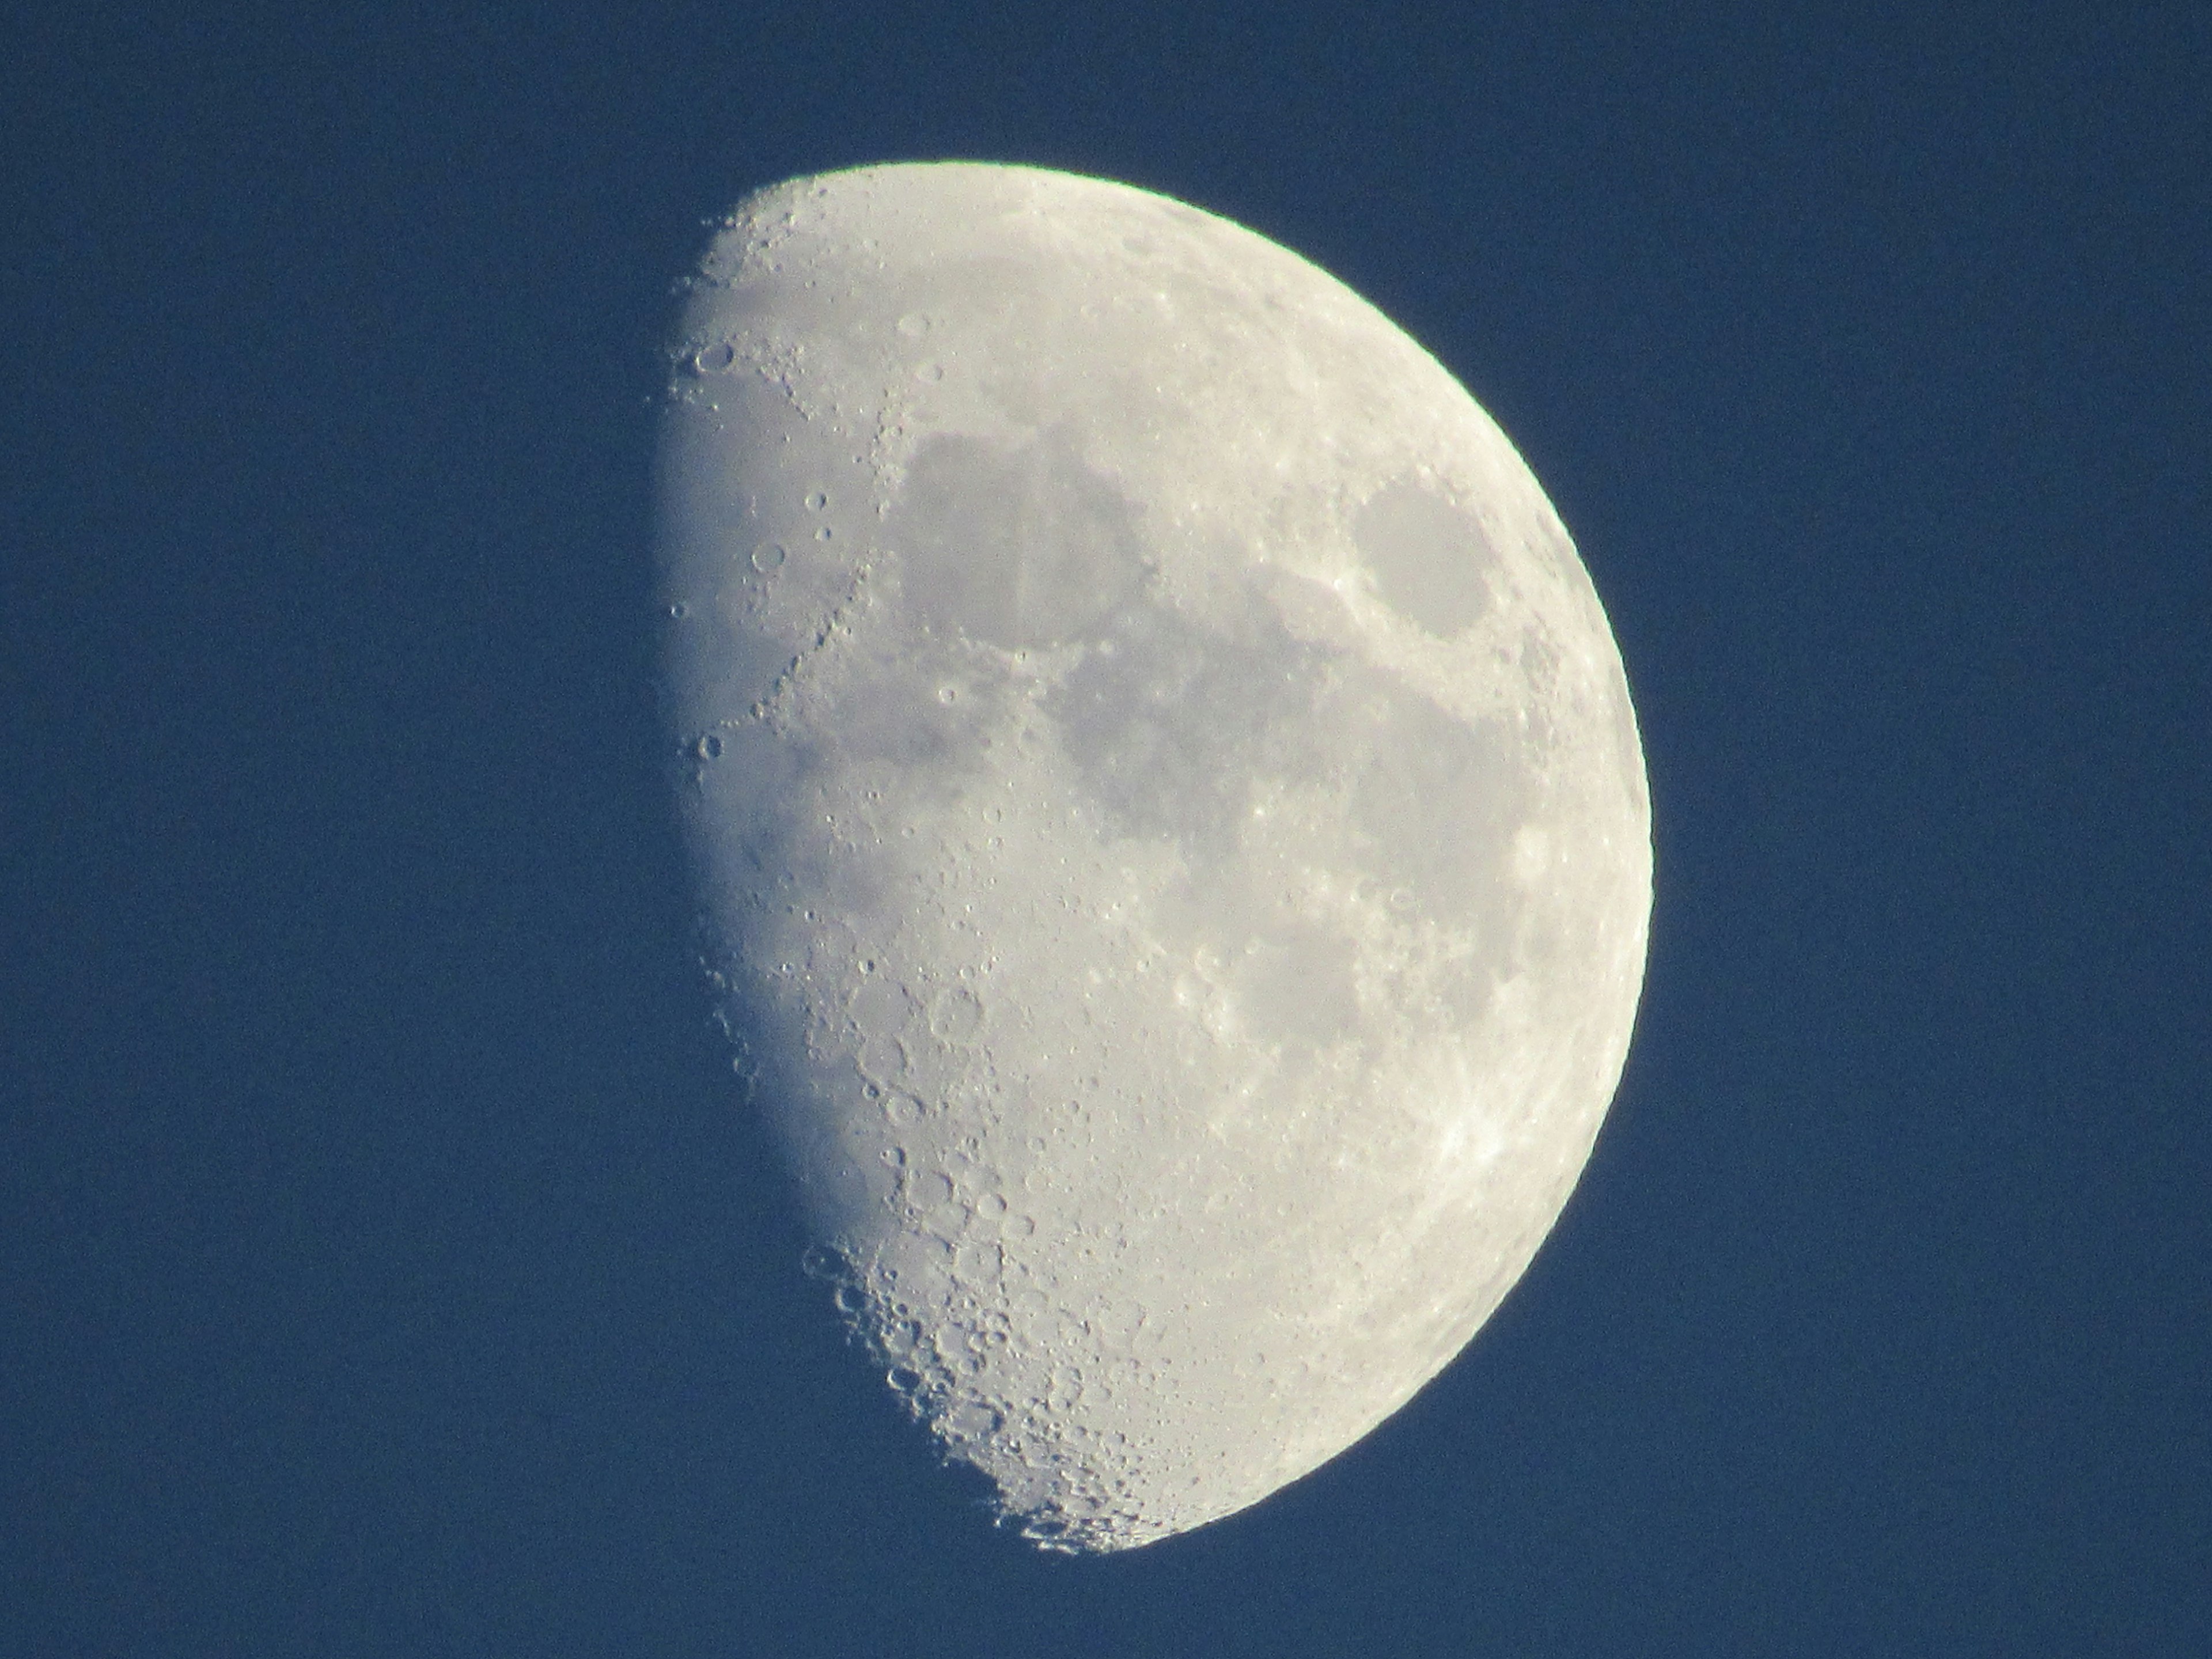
1167, 803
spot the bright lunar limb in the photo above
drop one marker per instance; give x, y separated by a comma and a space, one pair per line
1167, 810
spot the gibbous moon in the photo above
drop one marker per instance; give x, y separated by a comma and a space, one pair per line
1168, 815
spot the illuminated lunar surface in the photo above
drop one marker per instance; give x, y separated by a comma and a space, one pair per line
1166, 801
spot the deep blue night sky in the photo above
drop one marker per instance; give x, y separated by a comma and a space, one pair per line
385, 1265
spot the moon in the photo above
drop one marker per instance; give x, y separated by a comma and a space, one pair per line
1169, 825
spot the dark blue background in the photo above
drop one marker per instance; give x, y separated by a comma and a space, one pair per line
385, 1267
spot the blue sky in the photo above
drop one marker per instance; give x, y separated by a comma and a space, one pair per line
384, 1264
